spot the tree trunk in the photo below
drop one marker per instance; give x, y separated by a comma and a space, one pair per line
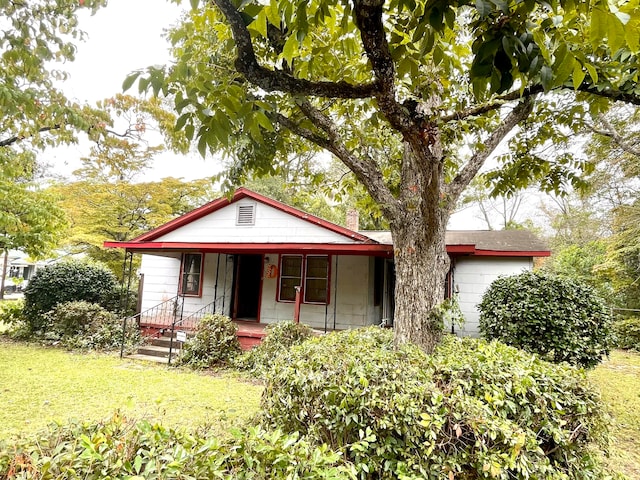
422, 264
5, 261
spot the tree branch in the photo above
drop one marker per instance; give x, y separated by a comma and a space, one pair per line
498, 102
17, 138
367, 172
368, 16
612, 133
277, 80
470, 170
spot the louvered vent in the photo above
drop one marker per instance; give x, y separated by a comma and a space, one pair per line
246, 215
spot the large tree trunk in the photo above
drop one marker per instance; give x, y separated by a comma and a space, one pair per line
418, 228
422, 264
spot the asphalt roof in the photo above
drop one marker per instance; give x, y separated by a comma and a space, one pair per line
499, 240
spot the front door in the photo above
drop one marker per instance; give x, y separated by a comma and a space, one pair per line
247, 286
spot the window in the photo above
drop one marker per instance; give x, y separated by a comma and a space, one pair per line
310, 272
290, 276
191, 274
315, 283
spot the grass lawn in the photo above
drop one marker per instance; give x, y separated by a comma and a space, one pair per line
619, 382
40, 385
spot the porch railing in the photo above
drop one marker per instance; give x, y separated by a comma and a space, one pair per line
164, 313
194, 318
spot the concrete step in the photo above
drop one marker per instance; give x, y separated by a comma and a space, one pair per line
148, 358
157, 351
164, 342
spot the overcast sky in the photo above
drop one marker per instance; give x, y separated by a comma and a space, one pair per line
124, 36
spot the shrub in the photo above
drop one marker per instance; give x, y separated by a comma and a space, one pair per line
11, 312
214, 344
558, 318
279, 337
472, 410
119, 448
84, 325
627, 333
67, 282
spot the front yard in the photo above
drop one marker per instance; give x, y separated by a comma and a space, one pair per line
40, 385
619, 381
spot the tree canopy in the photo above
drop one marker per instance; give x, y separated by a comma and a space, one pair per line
38, 38
413, 96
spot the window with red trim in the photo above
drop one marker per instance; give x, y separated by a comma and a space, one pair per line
311, 272
191, 274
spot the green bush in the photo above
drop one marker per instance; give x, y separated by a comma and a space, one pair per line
558, 318
119, 448
279, 337
472, 410
627, 333
11, 312
88, 326
214, 344
67, 282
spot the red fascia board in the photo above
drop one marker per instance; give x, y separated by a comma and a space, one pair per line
238, 195
325, 248
461, 249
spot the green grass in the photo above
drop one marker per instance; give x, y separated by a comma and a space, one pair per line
619, 382
43, 385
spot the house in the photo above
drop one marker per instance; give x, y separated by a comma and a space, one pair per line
19, 269
245, 255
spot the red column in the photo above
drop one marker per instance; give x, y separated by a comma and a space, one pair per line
296, 310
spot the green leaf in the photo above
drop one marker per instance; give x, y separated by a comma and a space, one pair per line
202, 146
593, 73
598, 31
290, 49
578, 75
128, 82
260, 23
546, 77
264, 121
272, 13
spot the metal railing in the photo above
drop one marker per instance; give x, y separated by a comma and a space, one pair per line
194, 318
164, 313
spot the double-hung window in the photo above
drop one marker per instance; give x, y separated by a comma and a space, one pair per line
191, 274
310, 272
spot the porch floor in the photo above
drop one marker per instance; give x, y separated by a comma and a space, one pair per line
250, 334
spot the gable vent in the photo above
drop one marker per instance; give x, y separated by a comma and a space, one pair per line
246, 215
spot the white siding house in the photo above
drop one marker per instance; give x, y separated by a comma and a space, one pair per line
245, 256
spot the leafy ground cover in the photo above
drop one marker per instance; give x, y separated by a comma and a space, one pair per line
43, 385
619, 382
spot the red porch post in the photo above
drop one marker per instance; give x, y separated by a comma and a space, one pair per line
296, 310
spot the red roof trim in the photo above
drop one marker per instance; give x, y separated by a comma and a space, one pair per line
239, 194
462, 249
372, 249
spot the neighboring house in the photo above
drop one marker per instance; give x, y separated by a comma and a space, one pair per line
19, 270
243, 256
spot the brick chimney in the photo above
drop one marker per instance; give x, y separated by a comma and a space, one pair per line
353, 219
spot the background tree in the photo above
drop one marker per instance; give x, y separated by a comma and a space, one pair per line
30, 219
394, 90
107, 199
37, 38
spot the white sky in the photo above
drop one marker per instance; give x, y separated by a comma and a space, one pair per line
124, 36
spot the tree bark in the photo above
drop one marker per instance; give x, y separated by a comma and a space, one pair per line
3, 278
421, 263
